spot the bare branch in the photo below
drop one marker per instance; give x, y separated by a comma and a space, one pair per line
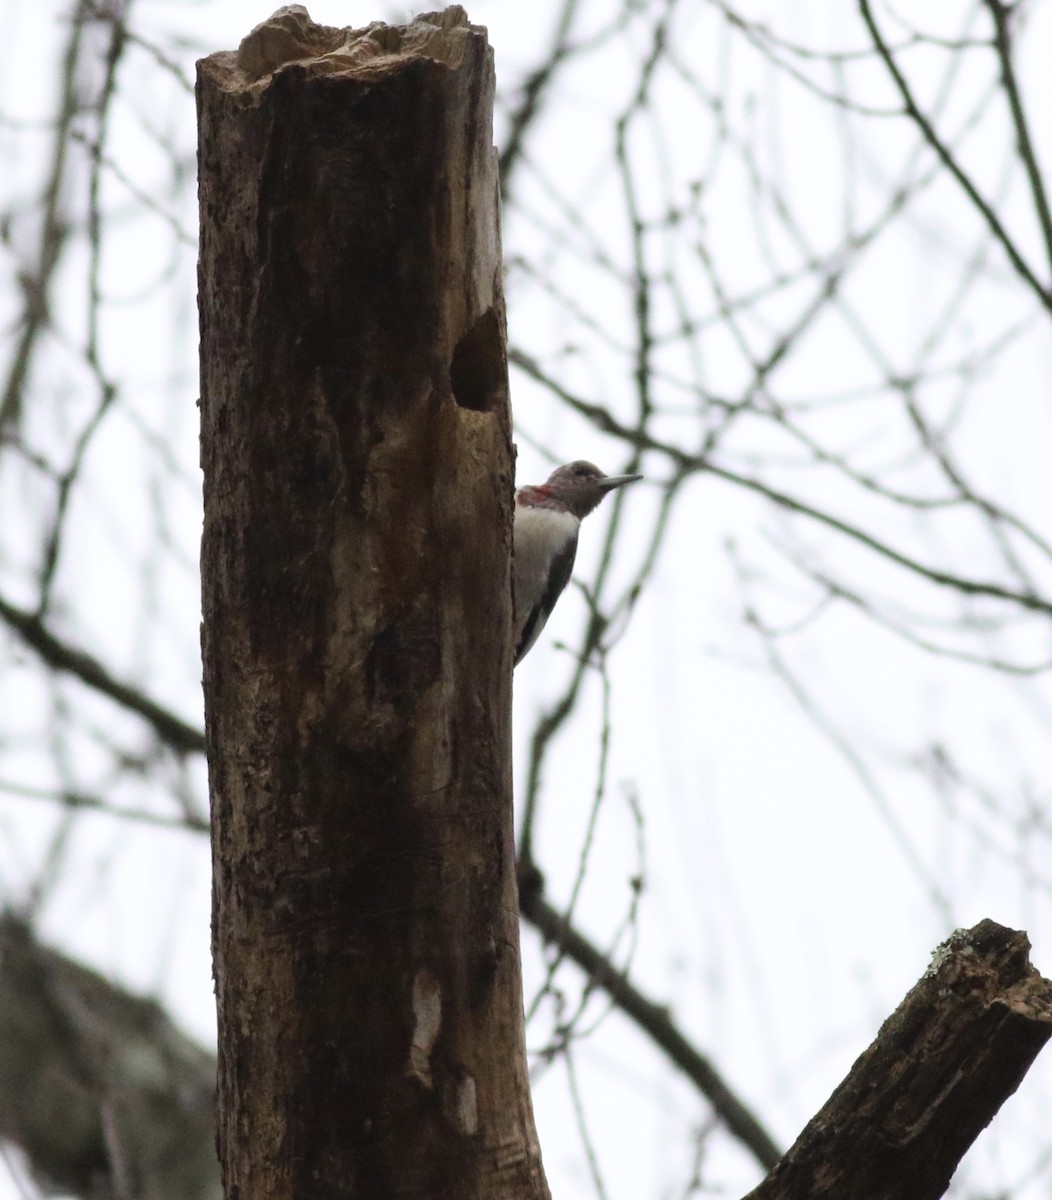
531, 102
930, 135
176, 733
1002, 14
652, 1018
36, 281
938, 1071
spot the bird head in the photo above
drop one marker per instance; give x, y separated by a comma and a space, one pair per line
580, 486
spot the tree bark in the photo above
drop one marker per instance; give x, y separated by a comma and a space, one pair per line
357, 647
942, 1065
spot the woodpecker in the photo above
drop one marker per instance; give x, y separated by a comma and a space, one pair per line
547, 520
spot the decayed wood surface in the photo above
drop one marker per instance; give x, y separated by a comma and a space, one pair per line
358, 481
940, 1068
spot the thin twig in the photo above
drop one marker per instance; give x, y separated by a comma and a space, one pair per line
656, 1021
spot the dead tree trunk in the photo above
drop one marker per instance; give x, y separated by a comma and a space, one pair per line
358, 479
941, 1066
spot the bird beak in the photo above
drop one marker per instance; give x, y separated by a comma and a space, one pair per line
609, 482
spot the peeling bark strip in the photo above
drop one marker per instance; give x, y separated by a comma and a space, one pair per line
942, 1065
358, 480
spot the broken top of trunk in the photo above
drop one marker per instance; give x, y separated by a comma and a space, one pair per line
290, 36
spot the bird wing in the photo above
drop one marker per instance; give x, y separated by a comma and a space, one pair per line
562, 569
